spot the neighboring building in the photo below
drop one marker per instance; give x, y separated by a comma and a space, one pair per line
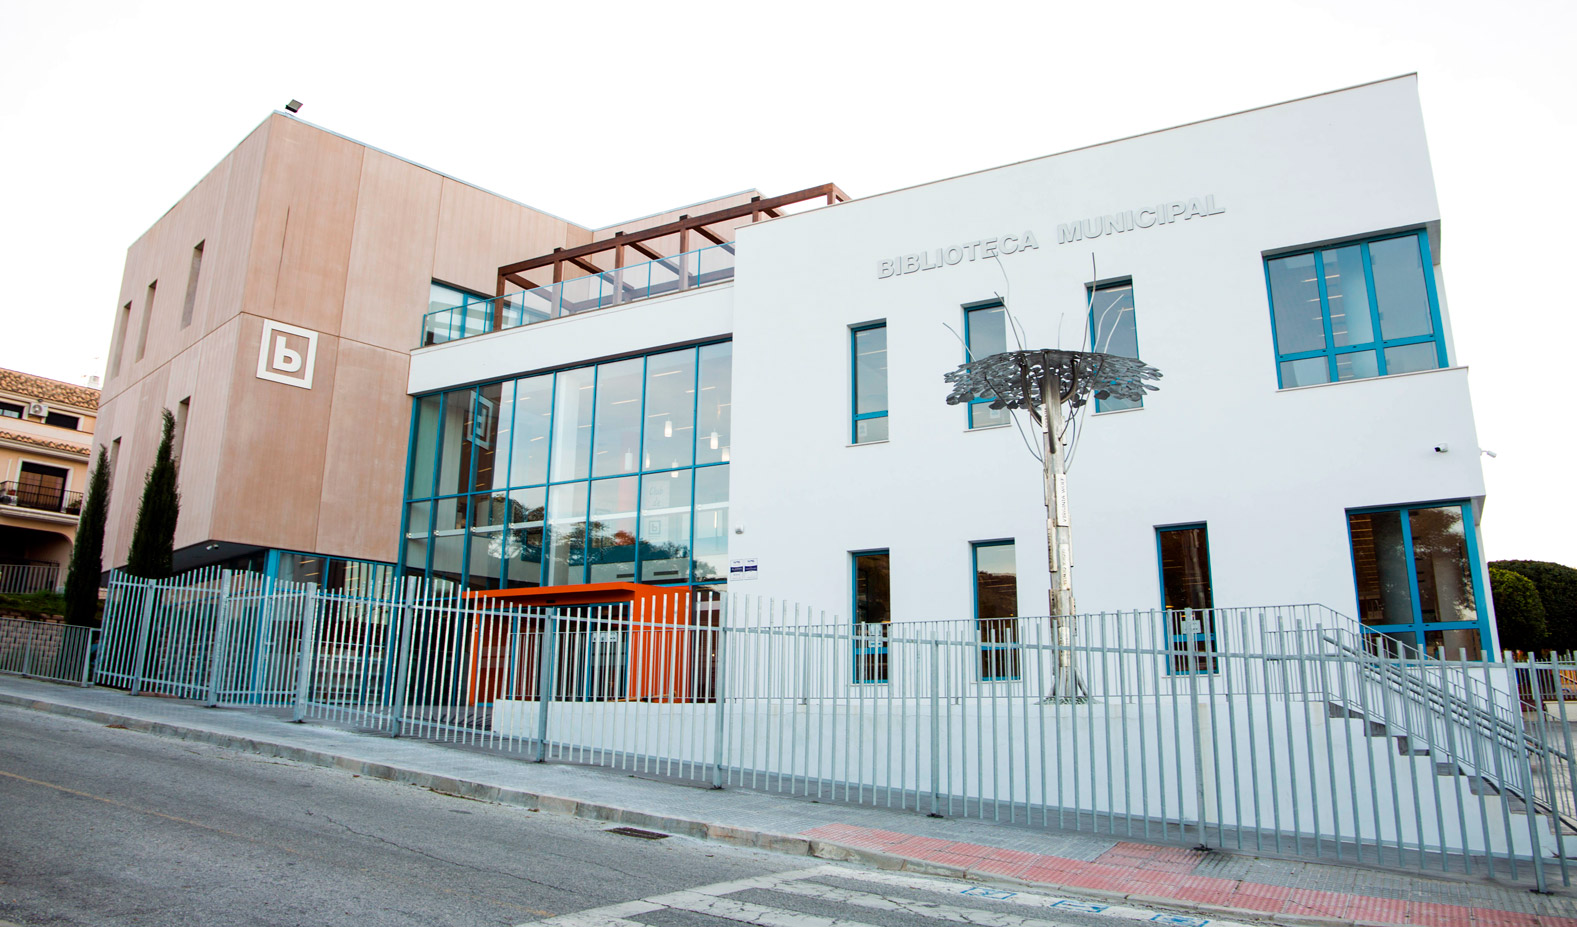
46, 435
272, 310
1312, 441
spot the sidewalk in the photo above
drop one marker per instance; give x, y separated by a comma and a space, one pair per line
1101, 868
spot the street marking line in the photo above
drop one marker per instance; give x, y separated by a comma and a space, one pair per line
614, 915
585, 919
746, 913
1030, 899
932, 909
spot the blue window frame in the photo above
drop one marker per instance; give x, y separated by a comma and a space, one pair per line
475, 317
996, 609
1416, 573
985, 334
610, 472
872, 614
1188, 597
868, 373
1114, 330
1355, 310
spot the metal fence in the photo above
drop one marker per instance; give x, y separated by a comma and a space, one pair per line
22, 578
1278, 729
46, 649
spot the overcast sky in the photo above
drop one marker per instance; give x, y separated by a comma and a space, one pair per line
599, 112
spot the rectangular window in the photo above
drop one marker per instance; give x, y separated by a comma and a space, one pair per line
114, 458
1414, 569
985, 334
183, 410
62, 420
1353, 311
1186, 595
583, 475
872, 615
996, 609
147, 316
40, 486
191, 285
1114, 331
869, 346
8, 410
118, 343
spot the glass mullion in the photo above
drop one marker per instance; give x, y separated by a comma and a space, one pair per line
1325, 312
547, 475
1410, 339
1412, 569
1433, 296
1374, 304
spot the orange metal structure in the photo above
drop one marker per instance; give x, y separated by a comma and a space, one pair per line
663, 651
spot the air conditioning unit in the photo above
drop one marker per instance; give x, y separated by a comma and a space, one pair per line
38, 409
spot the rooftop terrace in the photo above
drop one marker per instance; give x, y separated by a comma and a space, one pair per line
599, 285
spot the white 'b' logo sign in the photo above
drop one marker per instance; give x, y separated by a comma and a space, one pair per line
287, 354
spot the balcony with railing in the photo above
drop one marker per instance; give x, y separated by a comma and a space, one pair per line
660, 277
39, 498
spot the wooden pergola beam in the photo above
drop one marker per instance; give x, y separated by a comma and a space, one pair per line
685, 224
708, 234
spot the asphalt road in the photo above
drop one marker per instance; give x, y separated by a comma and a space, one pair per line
106, 826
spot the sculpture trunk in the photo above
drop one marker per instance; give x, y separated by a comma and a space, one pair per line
1065, 682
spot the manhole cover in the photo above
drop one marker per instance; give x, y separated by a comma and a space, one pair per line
637, 832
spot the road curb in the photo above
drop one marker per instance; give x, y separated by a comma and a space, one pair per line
792, 844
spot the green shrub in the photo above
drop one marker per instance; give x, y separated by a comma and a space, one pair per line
1557, 587
1518, 611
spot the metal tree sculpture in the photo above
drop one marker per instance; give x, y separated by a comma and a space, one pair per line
1041, 383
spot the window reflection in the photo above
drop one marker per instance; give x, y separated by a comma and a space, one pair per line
527, 419
617, 428
872, 615
670, 407
985, 334
1414, 569
1295, 298
1116, 331
714, 404
572, 411
611, 532
665, 526
996, 610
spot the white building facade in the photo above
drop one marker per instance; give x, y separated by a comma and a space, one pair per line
1312, 440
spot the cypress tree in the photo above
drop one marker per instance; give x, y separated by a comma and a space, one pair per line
87, 553
153, 541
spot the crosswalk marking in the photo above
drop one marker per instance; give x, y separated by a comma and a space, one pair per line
712, 901
746, 913
936, 909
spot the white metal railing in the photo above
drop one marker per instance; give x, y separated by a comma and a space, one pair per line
1273, 729
46, 649
22, 578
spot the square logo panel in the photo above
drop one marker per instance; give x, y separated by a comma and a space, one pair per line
287, 354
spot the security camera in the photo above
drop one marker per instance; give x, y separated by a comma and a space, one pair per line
1441, 448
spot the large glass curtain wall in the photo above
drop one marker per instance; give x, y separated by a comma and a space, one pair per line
616, 472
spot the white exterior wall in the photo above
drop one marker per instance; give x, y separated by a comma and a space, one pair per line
1270, 472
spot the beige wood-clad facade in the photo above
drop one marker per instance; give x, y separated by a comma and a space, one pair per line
307, 228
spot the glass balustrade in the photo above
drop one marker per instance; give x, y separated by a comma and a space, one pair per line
661, 277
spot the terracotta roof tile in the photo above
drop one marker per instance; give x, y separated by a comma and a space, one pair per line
44, 443
46, 390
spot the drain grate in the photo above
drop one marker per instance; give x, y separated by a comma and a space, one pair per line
637, 832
